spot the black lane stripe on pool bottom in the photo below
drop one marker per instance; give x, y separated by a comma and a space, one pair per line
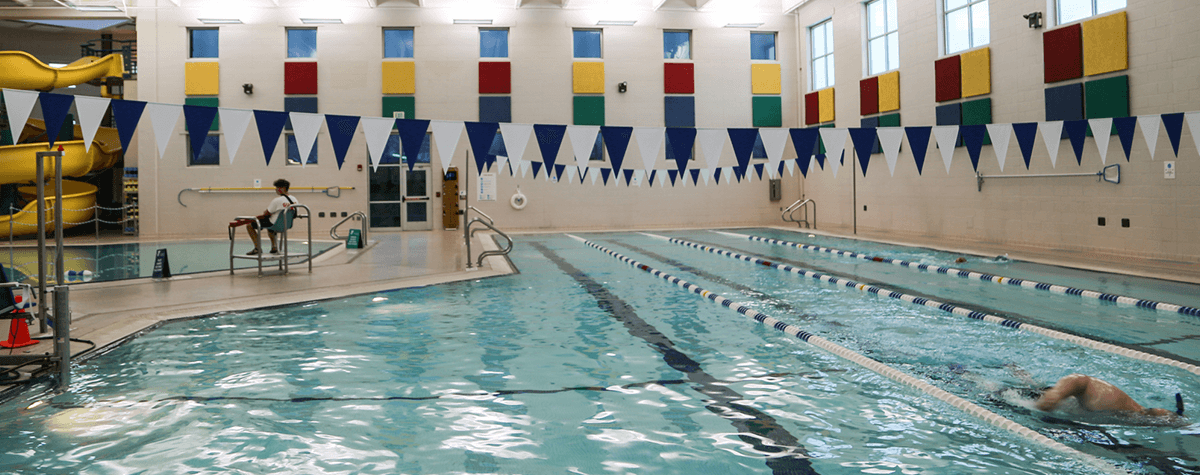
755, 427
971, 305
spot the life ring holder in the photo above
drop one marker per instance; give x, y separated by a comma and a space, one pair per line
518, 200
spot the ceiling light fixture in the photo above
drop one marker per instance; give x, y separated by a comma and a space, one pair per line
743, 25
96, 8
321, 21
220, 21
616, 22
471, 22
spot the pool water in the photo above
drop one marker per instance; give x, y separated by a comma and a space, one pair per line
108, 262
582, 364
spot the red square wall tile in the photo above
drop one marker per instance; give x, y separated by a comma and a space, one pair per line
1063, 53
679, 78
300, 78
948, 73
812, 108
868, 96
495, 77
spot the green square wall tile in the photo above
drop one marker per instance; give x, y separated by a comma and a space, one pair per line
207, 102
406, 104
589, 110
1106, 98
978, 112
768, 111
890, 120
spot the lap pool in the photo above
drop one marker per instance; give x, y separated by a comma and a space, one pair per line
584, 364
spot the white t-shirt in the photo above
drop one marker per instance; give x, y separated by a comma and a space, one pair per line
279, 203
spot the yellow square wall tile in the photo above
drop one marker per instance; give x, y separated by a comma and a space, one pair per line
825, 98
977, 72
1106, 44
202, 79
399, 77
765, 79
588, 78
889, 91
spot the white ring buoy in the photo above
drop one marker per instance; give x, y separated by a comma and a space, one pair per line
518, 200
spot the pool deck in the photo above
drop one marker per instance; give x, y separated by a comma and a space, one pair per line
107, 313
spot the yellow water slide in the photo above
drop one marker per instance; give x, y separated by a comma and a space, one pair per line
18, 163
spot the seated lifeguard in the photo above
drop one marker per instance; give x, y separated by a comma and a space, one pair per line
274, 210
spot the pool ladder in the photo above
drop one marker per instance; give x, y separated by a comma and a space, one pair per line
363, 229
789, 214
487, 222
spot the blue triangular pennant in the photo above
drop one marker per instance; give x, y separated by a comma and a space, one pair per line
972, 136
804, 163
695, 176
628, 176
918, 139
481, 135
412, 137
804, 141
672, 175
717, 176
604, 174
779, 169
652, 175
864, 144
681, 140
582, 174
743, 145
1174, 126
1077, 132
616, 140
537, 166
758, 168
558, 170
1125, 127
341, 132
198, 119
1026, 133
549, 139
126, 115
270, 126
56, 106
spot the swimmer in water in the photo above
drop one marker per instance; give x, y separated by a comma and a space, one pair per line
1098, 396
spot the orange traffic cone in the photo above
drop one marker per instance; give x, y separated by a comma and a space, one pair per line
18, 330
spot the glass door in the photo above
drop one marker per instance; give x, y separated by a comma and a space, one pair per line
399, 196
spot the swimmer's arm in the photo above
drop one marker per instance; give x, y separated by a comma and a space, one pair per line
1065, 388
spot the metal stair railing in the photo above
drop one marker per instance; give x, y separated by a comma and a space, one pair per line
363, 230
789, 214
487, 222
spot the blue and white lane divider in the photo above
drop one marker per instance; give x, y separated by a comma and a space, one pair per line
966, 312
1028, 284
871, 364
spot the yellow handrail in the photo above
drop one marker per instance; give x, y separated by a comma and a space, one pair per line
334, 191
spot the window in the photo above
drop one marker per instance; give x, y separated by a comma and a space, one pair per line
302, 42
1072, 10
821, 38
587, 43
293, 152
597, 150
397, 42
210, 152
203, 42
493, 42
677, 44
762, 45
966, 24
883, 42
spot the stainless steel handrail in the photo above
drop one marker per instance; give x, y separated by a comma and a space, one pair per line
359, 214
801, 204
485, 254
481, 213
487, 221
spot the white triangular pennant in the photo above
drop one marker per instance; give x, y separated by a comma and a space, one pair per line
889, 140
712, 144
1000, 133
649, 140
377, 131
583, 140
946, 136
91, 112
662, 178
1052, 137
594, 173
516, 139
163, 118
791, 167
524, 168
835, 143
20, 105
727, 173
1102, 131
639, 176
774, 141
234, 123
706, 173
1150, 125
570, 171
446, 134
306, 126
1193, 120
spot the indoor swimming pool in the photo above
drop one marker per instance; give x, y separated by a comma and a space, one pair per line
108, 262
583, 363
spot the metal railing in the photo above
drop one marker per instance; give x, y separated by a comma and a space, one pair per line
789, 214
284, 255
487, 222
357, 214
1111, 174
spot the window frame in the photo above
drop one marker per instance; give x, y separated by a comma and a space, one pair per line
506, 31
774, 45
890, 35
689, 44
826, 27
288, 41
413, 33
970, 25
1056, 7
191, 157
575, 47
192, 41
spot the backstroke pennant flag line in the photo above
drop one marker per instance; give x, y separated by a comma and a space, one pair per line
1150, 125
270, 126
516, 140
1026, 134
200, 120
649, 140
835, 145
446, 134
889, 140
918, 139
163, 118
1052, 137
774, 141
307, 126
234, 122
1000, 134
946, 136
91, 112
377, 130
1101, 131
